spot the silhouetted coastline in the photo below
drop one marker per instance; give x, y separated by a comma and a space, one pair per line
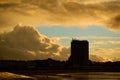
78, 61
49, 64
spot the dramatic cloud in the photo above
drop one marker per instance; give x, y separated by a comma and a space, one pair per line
60, 12
25, 43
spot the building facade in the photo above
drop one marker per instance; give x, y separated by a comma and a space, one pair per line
79, 53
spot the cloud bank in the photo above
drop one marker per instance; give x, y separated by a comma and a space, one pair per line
26, 43
98, 58
60, 12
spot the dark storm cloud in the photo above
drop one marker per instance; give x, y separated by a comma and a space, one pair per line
115, 22
7, 5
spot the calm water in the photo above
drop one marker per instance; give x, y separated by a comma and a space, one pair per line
81, 76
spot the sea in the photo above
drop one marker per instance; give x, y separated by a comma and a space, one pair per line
63, 76
81, 76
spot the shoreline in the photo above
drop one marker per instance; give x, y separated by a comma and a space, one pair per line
47, 72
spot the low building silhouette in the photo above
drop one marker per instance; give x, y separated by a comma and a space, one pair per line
79, 60
79, 53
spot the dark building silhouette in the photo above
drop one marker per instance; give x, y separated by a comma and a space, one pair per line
79, 53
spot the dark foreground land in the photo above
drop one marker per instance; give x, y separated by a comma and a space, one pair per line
56, 70
52, 66
40, 72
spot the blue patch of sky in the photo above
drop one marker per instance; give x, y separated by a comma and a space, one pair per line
61, 31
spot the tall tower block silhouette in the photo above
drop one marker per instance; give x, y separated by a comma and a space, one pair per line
79, 53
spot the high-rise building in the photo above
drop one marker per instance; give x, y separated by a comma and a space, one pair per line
79, 53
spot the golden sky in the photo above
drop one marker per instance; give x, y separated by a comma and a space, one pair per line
68, 13
60, 12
